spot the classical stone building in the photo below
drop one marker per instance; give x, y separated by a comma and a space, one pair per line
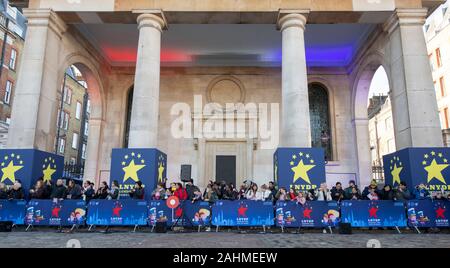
314, 58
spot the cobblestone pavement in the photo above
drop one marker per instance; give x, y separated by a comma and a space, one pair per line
226, 239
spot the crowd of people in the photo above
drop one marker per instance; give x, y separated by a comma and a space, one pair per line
220, 190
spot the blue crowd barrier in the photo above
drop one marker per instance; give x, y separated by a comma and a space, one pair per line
316, 214
13, 210
313, 214
55, 213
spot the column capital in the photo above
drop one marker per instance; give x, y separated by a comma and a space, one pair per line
292, 18
416, 16
45, 17
151, 18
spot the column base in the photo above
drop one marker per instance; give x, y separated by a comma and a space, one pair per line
414, 166
300, 168
128, 166
28, 165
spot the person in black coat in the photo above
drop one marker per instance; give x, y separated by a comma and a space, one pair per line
16, 192
387, 193
337, 193
88, 192
3, 191
59, 190
102, 192
38, 192
74, 191
138, 191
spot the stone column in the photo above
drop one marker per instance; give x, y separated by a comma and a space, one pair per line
414, 106
95, 138
363, 151
145, 110
295, 122
35, 101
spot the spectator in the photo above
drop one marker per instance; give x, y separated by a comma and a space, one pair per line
47, 188
273, 190
114, 192
387, 193
354, 194
402, 193
210, 195
265, 193
349, 193
102, 192
282, 195
3, 191
242, 194
252, 194
300, 199
59, 191
138, 191
292, 194
421, 192
337, 193
38, 192
205, 192
180, 192
230, 193
371, 191
191, 190
88, 191
159, 192
74, 191
323, 193
16, 192
439, 197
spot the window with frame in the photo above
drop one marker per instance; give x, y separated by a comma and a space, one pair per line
62, 146
8, 91
438, 57
83, 151
442, 85
67, 97
78, 111
75, 141
66, 120
86, 129
13, 59
446, 118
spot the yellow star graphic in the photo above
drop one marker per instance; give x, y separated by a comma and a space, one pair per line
160, 172
9, 172
48, 172
435, 171
131, 171
294, 157
301, 171
396, 174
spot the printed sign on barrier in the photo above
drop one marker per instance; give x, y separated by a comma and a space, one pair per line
428, 213
117, 212
13, 210
187, 213
242, 213
60, 213
312, 214
362, 213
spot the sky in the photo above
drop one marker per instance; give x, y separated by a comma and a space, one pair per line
380, 83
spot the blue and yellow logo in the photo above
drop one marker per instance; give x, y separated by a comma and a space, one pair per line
10, 165
161, 168
434, 164
131, 164
301, 164
48, 168
395, 167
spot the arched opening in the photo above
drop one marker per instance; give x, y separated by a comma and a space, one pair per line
320, 119
79, 119
372, 119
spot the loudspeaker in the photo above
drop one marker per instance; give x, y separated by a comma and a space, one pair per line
6, 226
345, 228
161, 227
185, 173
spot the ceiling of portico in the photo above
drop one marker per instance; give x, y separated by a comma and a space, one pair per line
332, 45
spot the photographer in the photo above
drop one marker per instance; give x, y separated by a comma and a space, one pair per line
282, 195
421, 192
138, 191
337, 193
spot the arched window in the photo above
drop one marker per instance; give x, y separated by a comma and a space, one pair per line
128, 118
319, 111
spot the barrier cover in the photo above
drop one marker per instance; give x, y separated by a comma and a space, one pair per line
117, 212
428, 213
419, 165
242, 213
13, 210
362, 213
312, 214
188, 213
60, 213
27, 165
301, 168
129, 166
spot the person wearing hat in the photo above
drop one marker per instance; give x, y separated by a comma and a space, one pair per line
371, 192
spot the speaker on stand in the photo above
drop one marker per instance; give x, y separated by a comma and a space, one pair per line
185, 173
